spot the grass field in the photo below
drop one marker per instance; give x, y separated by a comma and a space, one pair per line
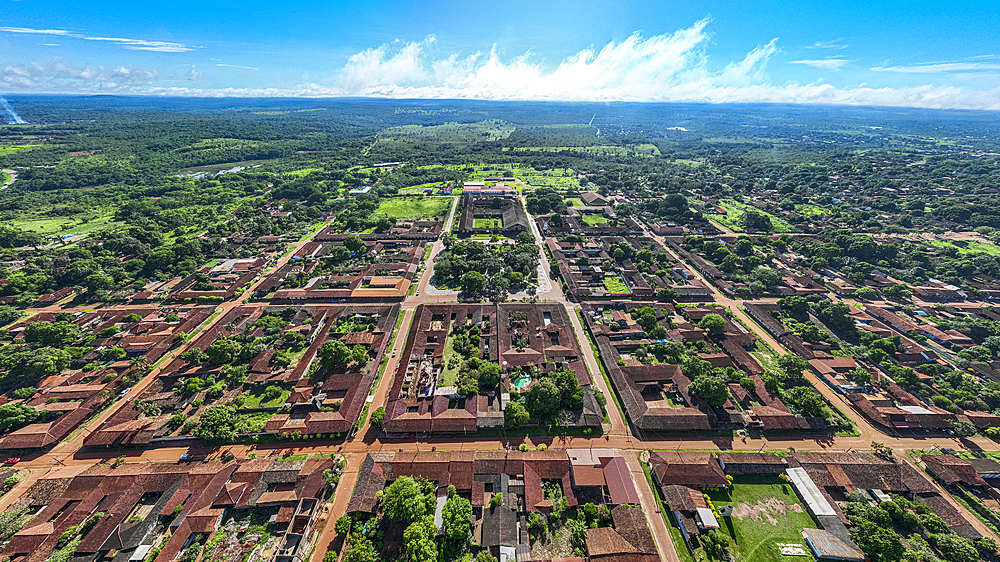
615, 285
592, 219
412, 208
450, 132
775, 516
83, 223
575, 202
973, 247
4, 178
735, 210
487, 223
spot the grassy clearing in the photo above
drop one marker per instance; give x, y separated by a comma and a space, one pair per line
4, 178
450, 132
79, 224
592, 219
413, 208
303, 172
10, 148
575, 202
735, 211
973, 247
810, 210
755, 538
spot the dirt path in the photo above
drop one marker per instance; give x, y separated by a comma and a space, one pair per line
337, 508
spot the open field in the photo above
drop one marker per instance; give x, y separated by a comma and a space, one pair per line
972, 247
766, 512
450, 132
575, 202
412, 208
4, 178
735, 210
82, 223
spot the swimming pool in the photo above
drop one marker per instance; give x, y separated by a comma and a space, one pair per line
521, 382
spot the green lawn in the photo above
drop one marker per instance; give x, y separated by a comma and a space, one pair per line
487, 223
4, 178
615, 285
755, 537
412, 208
574, 202
592, 219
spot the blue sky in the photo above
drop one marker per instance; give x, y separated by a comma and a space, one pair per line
919, 53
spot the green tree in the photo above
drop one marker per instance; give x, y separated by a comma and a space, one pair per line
378, 416
361, 550
955, 548
805, 401
711, 388
354, 243
484, 555
419, 539
767, 276
52, 334
964, 428
792, 365
489, 374
473, 282
542, 400
16, 416
99, 282
515, 414
879, 543
334, 353
714, 323
457, 517
222, 351
794, 304
403, 500
194, 356
343, 525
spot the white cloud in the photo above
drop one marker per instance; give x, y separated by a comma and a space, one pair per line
58, 76
133, 44
826, 64
194, 74
934, 68
832, 44
235, 66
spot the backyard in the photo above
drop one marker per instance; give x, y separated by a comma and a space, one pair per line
412, 208
766, 513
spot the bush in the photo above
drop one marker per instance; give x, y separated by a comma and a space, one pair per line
542, 447
523, 447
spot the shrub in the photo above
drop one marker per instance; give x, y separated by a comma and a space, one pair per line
523, 447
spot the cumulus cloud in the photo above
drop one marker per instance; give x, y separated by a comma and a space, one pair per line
133, 44
825, 64
59, 76
193, 74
